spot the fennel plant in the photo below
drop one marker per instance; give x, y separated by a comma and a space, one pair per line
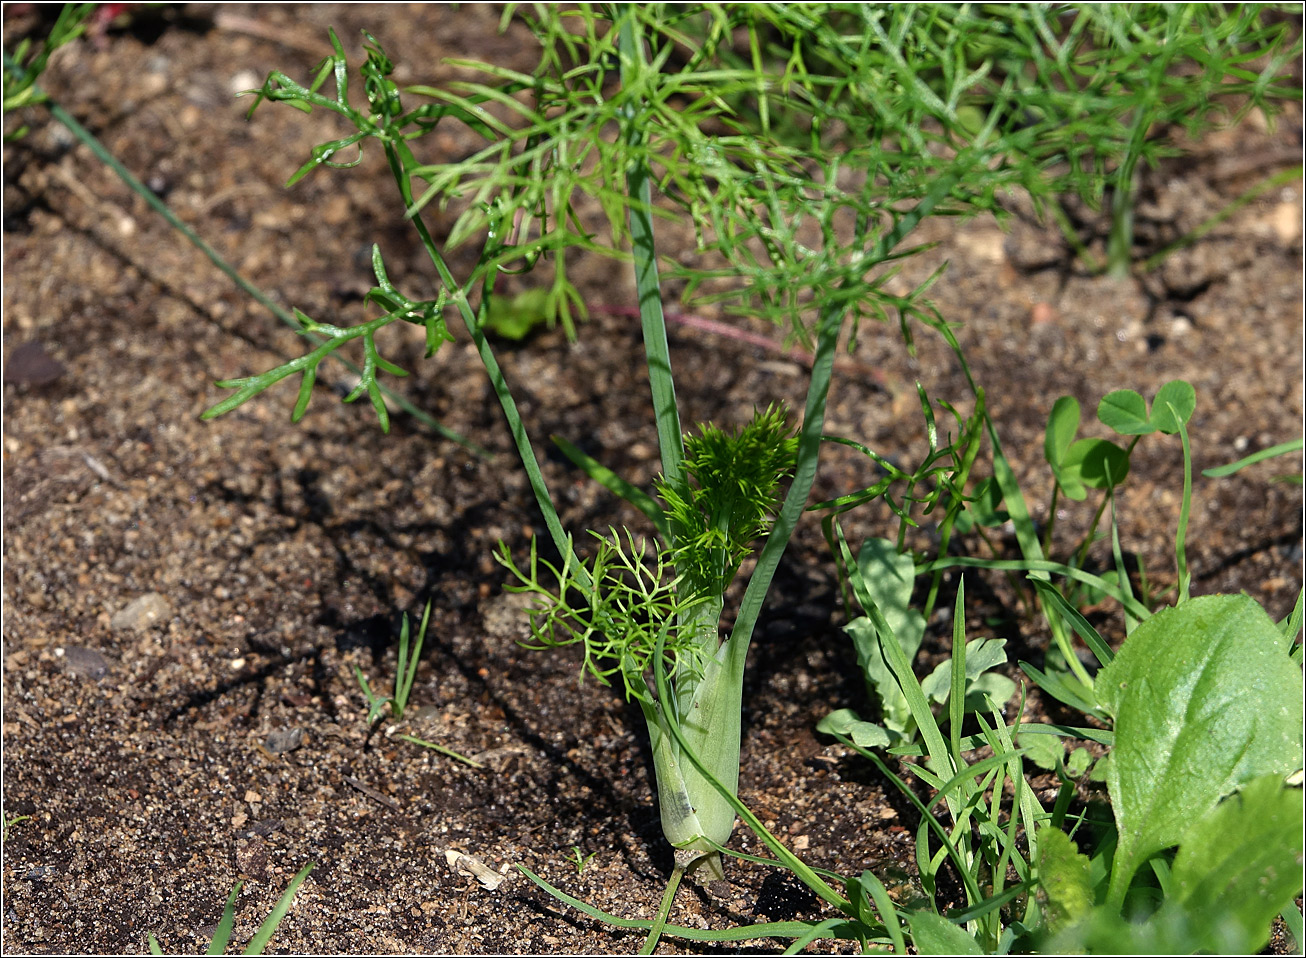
804, 142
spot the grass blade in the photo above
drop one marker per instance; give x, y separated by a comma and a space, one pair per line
664, 909
957, 695
1181, 532
442, 750
1132, 606
612, 482
774, 929
407, 665
1059, 690
270, 924
1081, 625
888, 913
222, 933
1282, 448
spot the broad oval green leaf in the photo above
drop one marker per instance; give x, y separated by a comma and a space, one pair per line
981, 655
1097, 463
1237, 868
1204, 700
1065, 876
889, 578
1241, 865
1126, 412
1175, 398
866, 734
934, 935
1063, 423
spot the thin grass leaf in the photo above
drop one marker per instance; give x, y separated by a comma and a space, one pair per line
957, 695
442, 750
1051, 596
222, 933
966, 776
829, 928
971, 742
963, 867
902, 669
888, 913
1270, 452
1291, 626
1025, 806
990, 905
1122, 573
1059, 690
407, 665
1292, 918
375, 703
270, 924
776, 929
1185, 506
772, 862
664, 909
609, 480
1131, 605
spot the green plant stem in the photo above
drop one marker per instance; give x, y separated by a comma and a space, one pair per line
1087, 543
442, 750
945, 527
1062, 219
1031, 549
648, 289
399, 164
1052, 520
1181, 531
664, 910
1120, 241
151, 198
810, 436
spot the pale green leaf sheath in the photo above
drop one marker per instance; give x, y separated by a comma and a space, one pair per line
672, 596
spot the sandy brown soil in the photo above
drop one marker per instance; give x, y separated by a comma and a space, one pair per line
147, 744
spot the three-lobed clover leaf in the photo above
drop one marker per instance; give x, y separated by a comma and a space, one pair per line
1079, 465
1125, 411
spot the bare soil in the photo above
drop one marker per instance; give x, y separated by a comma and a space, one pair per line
162, 751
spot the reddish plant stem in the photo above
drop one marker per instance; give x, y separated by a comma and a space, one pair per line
717, 328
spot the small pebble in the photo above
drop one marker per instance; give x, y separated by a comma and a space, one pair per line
243, 80
150, 609
284, 740
1285, 220
252, 857
85, 663
31, 365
